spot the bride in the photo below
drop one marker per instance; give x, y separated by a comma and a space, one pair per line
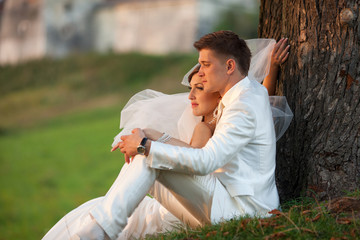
171, 119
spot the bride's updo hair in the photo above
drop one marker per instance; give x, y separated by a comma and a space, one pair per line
227, 43
195, 71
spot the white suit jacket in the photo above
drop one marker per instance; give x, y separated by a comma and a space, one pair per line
241, 153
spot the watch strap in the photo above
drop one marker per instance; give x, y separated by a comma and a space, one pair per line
143, 141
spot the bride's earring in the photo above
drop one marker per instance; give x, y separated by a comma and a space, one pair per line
215, 113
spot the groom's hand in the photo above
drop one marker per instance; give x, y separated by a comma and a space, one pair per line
129, 143
120, 145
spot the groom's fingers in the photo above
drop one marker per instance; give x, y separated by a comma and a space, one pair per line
114, 148
124, 137
135, 130
131, 158
127, 158
119, 145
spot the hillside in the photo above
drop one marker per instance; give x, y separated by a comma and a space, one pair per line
40, 90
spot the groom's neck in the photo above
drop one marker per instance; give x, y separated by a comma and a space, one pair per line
231, 82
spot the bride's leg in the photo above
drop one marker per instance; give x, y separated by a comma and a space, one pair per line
205, 199
124, 196
171, 204
194, 193
73, 221
149, 218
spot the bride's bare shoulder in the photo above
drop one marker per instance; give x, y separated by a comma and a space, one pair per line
203, 127
202, 134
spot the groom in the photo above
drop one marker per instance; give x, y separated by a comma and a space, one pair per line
234, 174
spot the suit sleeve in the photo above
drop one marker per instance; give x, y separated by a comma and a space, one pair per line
234, 131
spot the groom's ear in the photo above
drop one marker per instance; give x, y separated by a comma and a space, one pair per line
231, 66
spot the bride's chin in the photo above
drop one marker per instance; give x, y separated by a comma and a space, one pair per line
196, 114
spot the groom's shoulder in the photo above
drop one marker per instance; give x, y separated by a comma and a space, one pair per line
255, 84
248, 92
253, 89
259, 89
252, 97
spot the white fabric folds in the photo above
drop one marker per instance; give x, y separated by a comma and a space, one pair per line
172, 114
152, 109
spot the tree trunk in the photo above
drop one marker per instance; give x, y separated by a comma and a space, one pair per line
320, 151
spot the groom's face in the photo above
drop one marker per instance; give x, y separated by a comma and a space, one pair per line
213, 71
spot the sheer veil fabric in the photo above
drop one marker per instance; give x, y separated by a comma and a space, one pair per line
171, 114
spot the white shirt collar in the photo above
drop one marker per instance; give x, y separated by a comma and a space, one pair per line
234, 91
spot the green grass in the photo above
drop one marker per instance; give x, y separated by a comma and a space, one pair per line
304, 219
49, 170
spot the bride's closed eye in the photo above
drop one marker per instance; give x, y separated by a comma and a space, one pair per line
197, 87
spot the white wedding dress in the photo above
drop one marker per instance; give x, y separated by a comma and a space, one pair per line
171, 114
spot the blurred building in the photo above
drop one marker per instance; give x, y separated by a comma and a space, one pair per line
158, 26
32, 29
21, 31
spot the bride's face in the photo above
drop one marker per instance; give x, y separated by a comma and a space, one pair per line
202, 103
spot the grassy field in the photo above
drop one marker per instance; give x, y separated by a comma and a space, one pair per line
58, 120
48, 170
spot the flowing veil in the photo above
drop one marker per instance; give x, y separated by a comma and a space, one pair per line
172, 113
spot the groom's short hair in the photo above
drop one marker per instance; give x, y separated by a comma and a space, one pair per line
227, 43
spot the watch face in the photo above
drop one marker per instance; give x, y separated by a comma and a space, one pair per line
141, 149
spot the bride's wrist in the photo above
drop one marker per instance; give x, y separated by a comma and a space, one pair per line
164, 138
151, 134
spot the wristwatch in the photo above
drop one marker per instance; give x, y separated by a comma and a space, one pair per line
141, 147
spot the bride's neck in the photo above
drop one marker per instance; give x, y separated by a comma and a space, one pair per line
210, 120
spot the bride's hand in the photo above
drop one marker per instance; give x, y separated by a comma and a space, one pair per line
280, 53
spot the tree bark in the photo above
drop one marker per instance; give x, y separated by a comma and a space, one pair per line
320, 151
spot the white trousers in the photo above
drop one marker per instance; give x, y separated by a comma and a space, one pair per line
195, 200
